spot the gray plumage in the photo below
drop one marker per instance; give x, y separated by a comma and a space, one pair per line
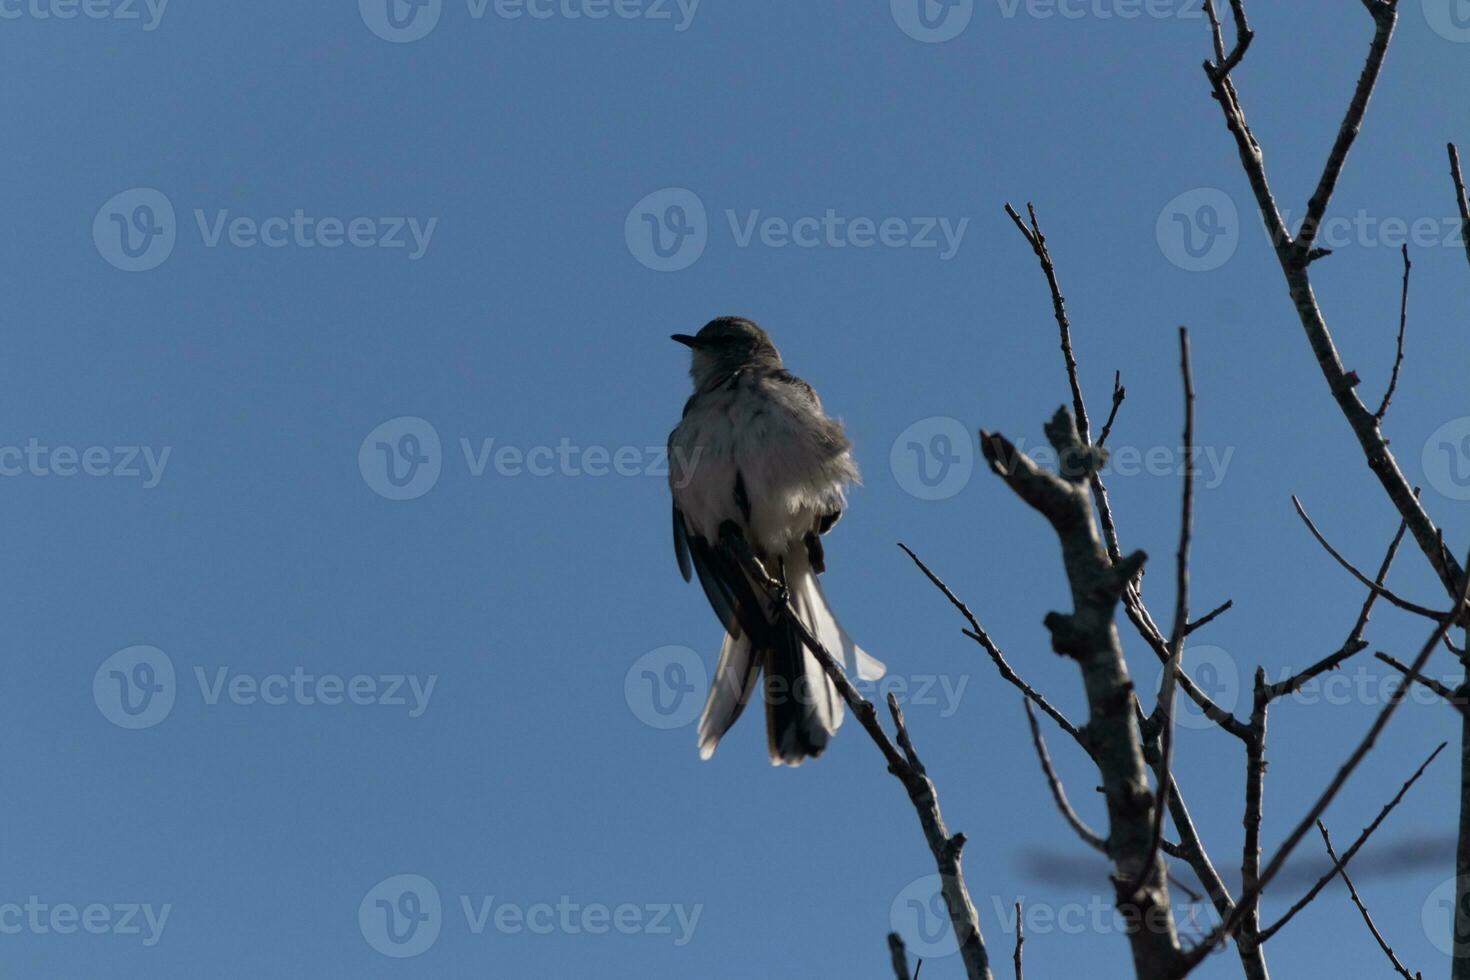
754, 453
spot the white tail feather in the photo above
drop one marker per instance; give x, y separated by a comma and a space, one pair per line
735, 680
811, 605
728, 693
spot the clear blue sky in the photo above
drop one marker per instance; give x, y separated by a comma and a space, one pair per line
498, 288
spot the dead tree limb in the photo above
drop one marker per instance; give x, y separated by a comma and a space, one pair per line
1089, 636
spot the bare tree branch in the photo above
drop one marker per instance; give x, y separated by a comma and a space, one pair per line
1190, 849
1348, 855
1294, 255
903, 762
1249, 896
1224, 63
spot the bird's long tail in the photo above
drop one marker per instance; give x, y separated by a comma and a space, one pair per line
803, 707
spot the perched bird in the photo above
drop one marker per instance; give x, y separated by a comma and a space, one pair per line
757, 467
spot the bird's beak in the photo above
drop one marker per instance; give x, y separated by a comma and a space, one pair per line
685, 339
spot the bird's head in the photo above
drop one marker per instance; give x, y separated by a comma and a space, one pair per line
726, 345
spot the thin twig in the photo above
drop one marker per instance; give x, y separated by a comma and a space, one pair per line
1382, 943
1354, 643
1405, 604
1058, 792
978, 634
1037, 241
1460, 198
1059, 309
1398, 359
1163, 720
1209, 617
1020, 941
1119, 393
1446, 692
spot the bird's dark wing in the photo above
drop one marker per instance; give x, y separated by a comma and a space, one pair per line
730, 593
785, 377
681, 545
